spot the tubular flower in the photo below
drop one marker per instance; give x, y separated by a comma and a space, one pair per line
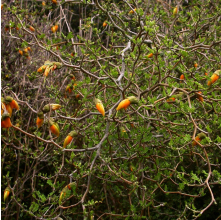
21, 52
126, 102
54, 28
31, 29
54, 67
6, 193
54, 1
65, 190
175, 10
9, 100
69, 88
195, 65
72, 77
175, 97
26, 50
132, 11
78, 96
54, 127
199, 96
69, 138
99, 106
6, 121
104, 24
2, 108
182, 77
198, 138
43, 3
9, 109
171, 100
47, 70
40, 119
53, 107
41, 69
214, 77
150, 55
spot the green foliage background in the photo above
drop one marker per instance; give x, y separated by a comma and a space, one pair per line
151, 171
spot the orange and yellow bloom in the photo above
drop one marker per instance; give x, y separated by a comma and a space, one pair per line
99, 106
69, 138
214, 77
126, 102
40, 119
6, 193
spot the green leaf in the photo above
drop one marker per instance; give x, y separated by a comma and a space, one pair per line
70, 35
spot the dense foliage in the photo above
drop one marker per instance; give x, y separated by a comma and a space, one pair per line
68, 153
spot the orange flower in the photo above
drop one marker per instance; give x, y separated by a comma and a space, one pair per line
53, 29
195, 65
171, 100
31, 29
54, 67
53, 107
6, 193
132, 11
198, 138
26, 50
43, 3
40, 119
54, 1
47, 70
214, 77
132, 125
13, 104
99, 106
69, 88
199, 96
104, 24
9, 109
69, 138
6, 121
39, 122
54, 127
150, 55
2, 107
65, 190
182, 77
77, 96
21, 52
175, 10
56, 27
206, 74
126, 102
72, 77
41, 69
